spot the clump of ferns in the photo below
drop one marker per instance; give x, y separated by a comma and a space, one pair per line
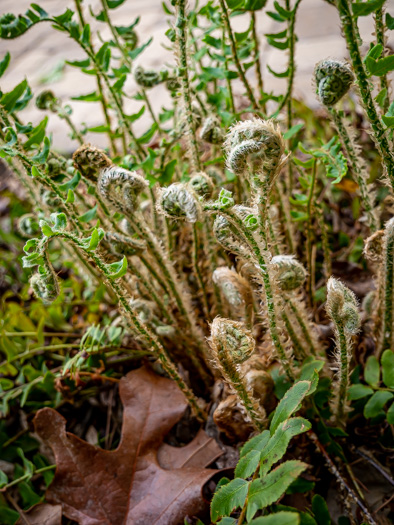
120, 189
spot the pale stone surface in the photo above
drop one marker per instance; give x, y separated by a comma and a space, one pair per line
40, 51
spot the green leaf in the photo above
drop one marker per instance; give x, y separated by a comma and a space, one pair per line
117, 269
388, 118
79, 63
366, 8
89, 215
146, 137
4, 63
359, 391
136, 116
279, 518
70, 197
71, 184
292, 131
46, 229
372, 371
90, 97
9, 100
389, 21
59, 221
264, 492
381, 97
85, 37
112, 4
3, 479
390, 414
36, 136
376, 403
388, 368
277, 445
380, 67
320, 510
290, 403
285, 74
95, 238
138, 50
228, 498
250, 455
42, 156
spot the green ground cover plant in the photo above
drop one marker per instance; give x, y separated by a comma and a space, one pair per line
230, 270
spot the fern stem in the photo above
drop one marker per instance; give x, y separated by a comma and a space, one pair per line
350, 31
181, 38
360, 173
233, 45
380, 39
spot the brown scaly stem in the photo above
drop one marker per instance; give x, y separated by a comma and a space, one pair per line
350, 31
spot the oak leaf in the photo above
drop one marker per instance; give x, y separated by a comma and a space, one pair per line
143, 481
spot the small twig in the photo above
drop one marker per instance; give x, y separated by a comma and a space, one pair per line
334, 470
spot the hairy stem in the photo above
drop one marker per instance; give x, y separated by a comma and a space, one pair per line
350, 31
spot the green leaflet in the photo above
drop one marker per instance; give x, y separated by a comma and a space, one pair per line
265, 491
290, 403
388, 368
320, 510
279, 518
250, 455
372, 371
228, 498
277, 445
376, 403
359, 391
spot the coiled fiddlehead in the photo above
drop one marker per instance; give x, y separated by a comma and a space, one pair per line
237, 293
201, 184
290, 273
333, 81
342, 307
46, 100
178, 202
44, 282
121, 188
147, 78
232, 344
28, 225
254, 143
211, 131
90, 160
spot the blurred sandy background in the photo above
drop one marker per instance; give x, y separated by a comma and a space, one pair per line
39, 56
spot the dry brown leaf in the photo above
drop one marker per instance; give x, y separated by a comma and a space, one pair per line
142, 481
43, 514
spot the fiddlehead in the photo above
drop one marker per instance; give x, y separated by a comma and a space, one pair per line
333, 81
90, 160
121, 188
342, 308
232, 344
211, 131
178, 202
